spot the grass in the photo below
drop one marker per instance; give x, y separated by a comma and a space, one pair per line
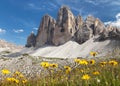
83, 72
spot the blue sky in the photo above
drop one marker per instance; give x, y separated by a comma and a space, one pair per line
19, 17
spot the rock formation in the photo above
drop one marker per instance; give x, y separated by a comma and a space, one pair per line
68, 27
65, 26
111, 32
31, 40
46, 31
91, 27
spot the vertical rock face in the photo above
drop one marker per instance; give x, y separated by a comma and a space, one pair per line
79, 22
65, 26
45, 32
95, 24
90, 27
110, 33
31, 40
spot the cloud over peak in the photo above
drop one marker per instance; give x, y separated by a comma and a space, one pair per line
116, 22
18, 30
2, 31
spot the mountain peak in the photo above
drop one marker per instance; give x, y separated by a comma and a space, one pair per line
68, 27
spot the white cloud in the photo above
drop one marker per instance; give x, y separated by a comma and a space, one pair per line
33, 6
53, 5
107, 2
91, 2
35, 28
18, 30
2, 31
116, 22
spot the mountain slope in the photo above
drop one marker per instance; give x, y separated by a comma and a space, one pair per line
6, 46
72, 49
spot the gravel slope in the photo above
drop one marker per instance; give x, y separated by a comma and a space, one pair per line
72, 49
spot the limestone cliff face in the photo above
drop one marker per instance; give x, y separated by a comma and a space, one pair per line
65, 26
79, 21
31, 40
111, 33
45, 31
68, 27
90, 28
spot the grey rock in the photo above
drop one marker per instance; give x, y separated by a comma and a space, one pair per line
79, 22
90, 28
46, 31
31, 40
111, 32
65, 26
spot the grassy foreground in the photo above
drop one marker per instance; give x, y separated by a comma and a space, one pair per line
83, 72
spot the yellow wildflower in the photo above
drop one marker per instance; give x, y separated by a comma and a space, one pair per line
103, 64
16, 81
21, 76
96, 73
45, 64
114, 63
17, 73
92, 61
24, 81
13, 80
83, 62
54, 65
82, 71
86, 77
5, 71
77, 60
9, 79
93, 53
68, 69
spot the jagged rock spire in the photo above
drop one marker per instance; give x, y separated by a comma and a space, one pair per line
31, 40
46, 30
68, 27
65, 26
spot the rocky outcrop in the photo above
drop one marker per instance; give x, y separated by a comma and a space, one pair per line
46, 31
65, 26
90, 28
68, 27
79, 21
31, 40
112, 33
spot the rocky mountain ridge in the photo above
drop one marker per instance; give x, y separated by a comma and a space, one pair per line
6, 46
68, 27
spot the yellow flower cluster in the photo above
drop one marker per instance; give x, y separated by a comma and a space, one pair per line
112, 62
5, 71
47, 65
92, 61
18, 74
93, 54
84, 62
86, 77
96, 73
81, 62
13, 80
53, 65
103, 63
17, 77
67, 69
